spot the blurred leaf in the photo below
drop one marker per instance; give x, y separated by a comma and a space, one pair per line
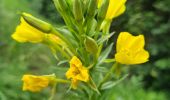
163, 63
105, 53
111, 84
105, 38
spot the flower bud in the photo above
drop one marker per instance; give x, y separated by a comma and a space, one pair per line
37, 23
77, 10
103, 10
91, 45
62, 4
92, 8
116, 8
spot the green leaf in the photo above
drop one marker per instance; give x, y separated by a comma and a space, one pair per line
109, 60
111, 84
2, 96
101, 69
62, 62
93, 86
163, 63
105, 53
66, 33
105, 38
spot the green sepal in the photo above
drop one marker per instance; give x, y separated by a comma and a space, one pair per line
92, 8
77, 10
91, 45
37, 23
103, 10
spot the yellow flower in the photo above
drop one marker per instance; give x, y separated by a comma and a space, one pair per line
130, 49
27, 33
77, 72
116, 8
37, 83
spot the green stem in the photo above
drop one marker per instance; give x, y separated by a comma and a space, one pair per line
71, 54
98, 29
108, 75
62, 51
53, 91
56, 47
65, 40
62, 81
92, 84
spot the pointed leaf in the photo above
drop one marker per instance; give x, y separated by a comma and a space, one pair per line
105, 53
111, 84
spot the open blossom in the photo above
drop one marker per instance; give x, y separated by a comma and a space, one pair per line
77, 72
27, 33
115, 8
36, 83
130, 49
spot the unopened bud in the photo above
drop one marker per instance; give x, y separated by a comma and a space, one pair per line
77, 10
37, 23
91, 45
92, 8
103, 10
63, 4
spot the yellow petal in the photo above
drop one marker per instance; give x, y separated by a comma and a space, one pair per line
137, 43
72, 71
123, 58
55, 39
26, 33
116, 7
74, 83
141, 57
121, 11
123, 40
75, 61
83, 76
128, 41
35, 83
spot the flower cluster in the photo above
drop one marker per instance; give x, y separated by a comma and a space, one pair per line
81, 42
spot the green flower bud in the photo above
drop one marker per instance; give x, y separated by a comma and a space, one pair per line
103, 10
77, 10
62, 4
92, 8
91, 45
37, 23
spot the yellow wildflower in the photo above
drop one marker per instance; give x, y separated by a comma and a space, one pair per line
27, 33
130, 49
116, 8
37, 83
77, 72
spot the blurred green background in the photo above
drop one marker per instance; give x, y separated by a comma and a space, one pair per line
150, 81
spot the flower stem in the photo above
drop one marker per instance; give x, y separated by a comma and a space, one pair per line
62, 81
53, 91
108, 75
65, 40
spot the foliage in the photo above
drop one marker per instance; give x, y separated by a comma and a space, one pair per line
152, 19
148, 17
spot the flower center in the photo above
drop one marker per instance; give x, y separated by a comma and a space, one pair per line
76, 71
